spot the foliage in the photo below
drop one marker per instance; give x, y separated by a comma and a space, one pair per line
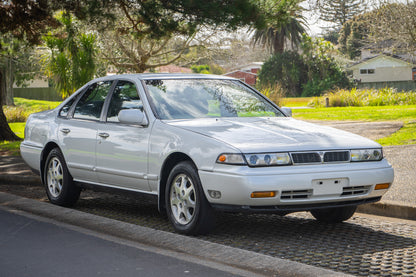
203, 68
323, 71
337, 12
72, 60
25, 19
307, 74
394, 26
286, 69
18, 64
284, 22
24, 107
154, 33
274, 93
355, 34
366, 97
208, 69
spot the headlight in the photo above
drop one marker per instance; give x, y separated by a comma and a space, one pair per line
362, 155
268, 159
228, 158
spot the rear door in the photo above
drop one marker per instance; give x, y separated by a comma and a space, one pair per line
78, 132
122, 150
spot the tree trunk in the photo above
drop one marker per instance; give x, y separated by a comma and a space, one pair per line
9, 74
5, 132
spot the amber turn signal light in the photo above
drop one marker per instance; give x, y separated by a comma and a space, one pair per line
263, 194
382, 186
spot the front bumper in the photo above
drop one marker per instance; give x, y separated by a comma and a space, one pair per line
296, 187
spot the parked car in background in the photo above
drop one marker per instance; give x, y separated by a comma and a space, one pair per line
200, 143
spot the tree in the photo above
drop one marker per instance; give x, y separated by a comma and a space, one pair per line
21, 19
324, 73
287, 69
337, 12
354, 34
394, 27
158, 19
72, 60
284, 23
150, 34
308, 74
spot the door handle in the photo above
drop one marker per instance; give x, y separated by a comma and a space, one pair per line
104, 135
65, 130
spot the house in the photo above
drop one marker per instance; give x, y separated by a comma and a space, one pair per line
384, 70
246, 73
173, 69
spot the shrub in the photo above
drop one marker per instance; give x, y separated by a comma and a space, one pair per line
365, 97
15, 114
274, 93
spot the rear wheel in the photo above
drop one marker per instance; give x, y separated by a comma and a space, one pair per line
186, 205
60, 187
334, 215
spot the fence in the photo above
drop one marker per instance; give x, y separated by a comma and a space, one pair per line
399, 85
49, 94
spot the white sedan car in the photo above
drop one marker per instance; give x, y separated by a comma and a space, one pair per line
200, 143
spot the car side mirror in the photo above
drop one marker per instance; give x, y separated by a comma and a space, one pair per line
287, 111
132, 117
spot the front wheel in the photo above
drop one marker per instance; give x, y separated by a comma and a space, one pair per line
60, 187
186, 205
334, 215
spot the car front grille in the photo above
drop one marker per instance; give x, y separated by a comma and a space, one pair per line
358, 190
296, 194
320, 157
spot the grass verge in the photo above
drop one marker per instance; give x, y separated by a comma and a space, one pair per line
406, 114
13, 147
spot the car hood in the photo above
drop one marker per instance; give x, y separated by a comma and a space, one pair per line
274, 134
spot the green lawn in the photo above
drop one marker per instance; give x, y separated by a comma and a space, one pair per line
295, 101
406, 114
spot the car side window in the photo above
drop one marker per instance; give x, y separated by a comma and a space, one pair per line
90, 105
125, 96
65, 109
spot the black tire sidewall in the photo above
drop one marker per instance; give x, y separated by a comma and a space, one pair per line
334, 215
196, 225
69, 193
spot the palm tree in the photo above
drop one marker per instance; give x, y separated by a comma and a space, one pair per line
284, 23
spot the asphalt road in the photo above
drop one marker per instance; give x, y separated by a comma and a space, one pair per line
31, 246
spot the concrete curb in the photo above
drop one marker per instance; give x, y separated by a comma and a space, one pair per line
389, 209
20, 180
258, 263
383, 208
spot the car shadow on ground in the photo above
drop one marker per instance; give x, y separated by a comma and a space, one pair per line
360, 246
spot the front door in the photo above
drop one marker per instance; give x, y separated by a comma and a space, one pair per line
122, 149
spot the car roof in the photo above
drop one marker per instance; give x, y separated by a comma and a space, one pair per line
178, 76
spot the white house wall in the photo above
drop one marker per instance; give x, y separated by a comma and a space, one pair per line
385, 69
384, 74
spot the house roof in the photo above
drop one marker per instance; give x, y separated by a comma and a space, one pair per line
242, 71
389, 56
173, 69
250, 65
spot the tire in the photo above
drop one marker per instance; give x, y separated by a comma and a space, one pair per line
186, 205
59, 184
334, 215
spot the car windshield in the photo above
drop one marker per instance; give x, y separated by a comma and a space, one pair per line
202, 98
